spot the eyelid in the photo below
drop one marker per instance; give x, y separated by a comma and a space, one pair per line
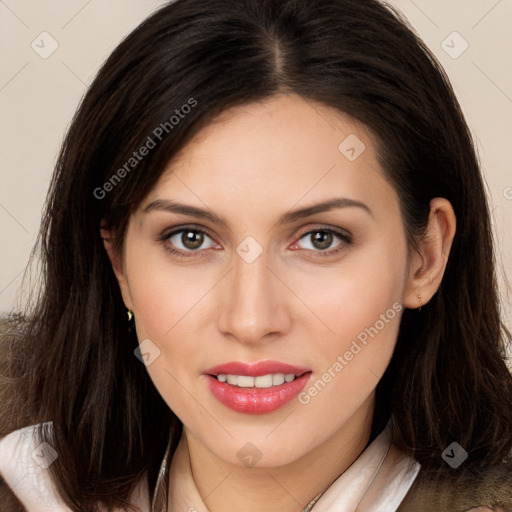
346, 240
169, 233
325, 227
192, 227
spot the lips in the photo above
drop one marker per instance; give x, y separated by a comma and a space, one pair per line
256, 400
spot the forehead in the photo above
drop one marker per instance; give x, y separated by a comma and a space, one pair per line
286, 150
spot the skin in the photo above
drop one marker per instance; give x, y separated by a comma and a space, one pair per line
291, 304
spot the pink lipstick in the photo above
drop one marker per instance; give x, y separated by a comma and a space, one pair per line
256, 388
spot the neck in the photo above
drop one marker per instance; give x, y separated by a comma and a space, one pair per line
225, 487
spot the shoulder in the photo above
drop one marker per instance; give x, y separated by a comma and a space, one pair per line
24, 463
471, 489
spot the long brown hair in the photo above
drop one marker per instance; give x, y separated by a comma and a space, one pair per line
70, 359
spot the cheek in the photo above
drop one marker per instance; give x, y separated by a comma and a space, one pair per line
165, 299
362, 310
164, 295
354, 297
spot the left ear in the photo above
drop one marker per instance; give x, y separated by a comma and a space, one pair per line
426, 268
117, 263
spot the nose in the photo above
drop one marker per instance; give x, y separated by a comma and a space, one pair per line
253, 302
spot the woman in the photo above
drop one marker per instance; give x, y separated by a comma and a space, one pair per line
269, 279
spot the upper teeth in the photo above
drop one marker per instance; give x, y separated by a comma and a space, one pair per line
263, 381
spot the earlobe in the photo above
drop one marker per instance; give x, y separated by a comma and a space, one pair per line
428, 266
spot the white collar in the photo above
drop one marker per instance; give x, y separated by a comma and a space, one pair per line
23, 466
377, 481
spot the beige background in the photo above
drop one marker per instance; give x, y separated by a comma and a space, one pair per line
38, 97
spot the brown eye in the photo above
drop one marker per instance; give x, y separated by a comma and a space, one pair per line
192, 239
186, 241
321, 240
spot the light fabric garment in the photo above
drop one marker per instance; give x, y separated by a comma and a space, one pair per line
377, 481
24, 471
23, 465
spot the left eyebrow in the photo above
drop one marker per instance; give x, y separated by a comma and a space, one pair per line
325, 206
287, 218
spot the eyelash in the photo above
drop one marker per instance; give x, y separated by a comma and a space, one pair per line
188, 254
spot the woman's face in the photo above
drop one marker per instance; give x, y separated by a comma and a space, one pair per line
253, 281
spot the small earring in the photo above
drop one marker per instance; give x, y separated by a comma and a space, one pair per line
421, 303
129, 313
